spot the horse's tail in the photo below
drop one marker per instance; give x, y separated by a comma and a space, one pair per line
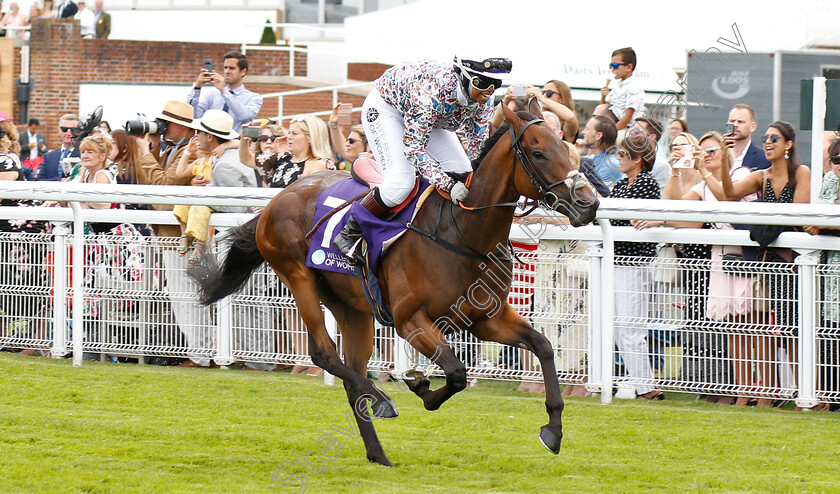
242, 258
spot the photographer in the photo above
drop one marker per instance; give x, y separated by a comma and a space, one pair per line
51, 169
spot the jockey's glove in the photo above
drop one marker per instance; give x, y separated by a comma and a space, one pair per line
459, 192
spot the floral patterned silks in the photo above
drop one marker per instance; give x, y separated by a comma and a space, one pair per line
429, 96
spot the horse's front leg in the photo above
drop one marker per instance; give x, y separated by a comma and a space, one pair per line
421, 333
509, 328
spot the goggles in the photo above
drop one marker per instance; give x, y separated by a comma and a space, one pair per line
482, 83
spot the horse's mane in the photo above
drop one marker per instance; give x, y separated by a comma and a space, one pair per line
492, 140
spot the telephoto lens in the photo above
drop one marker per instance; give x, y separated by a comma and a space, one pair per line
140, 127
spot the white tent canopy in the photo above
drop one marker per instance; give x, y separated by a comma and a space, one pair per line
572, 41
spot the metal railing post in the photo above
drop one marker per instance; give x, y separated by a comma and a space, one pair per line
595, 383
59, 346
607, 311
818, 105
78, 275
807, 262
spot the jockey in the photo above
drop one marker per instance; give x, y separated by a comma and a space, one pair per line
410, 118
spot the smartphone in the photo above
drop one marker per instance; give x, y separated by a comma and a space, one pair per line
344, 110
687, 159
730, 129
252, 131
208, 65
518, 90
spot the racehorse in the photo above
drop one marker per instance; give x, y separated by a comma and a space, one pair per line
455, 280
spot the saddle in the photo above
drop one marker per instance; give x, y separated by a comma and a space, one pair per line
366, 171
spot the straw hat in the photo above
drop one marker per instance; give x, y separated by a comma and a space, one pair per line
179, 112
216, 122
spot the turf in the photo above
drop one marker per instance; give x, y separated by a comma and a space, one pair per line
127, 428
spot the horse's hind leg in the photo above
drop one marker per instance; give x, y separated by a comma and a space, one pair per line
423, 335
510, 328
357, 333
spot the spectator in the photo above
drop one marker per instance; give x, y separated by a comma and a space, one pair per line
599, 136
35, 12
48, 12
105, 127
226, 93
556, 98
829, 137
583, 164
793, 182
167, 150
742, 117
633, 274
677, 127
729, 293
51, 169
32, 143
14, 18
214, 130
349, 146
102, 21
828, 332
653, 130
272, 140
66, 9
86, 18
310, 153
194, 220
626, 101
125, 155
10, 167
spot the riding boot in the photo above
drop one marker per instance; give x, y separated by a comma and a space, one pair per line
350, 238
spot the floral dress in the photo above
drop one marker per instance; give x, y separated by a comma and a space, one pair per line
278, 169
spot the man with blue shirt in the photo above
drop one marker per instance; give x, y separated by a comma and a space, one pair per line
226, 92
599, 136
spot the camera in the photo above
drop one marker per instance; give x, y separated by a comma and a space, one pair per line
140, 127
729, 129
251, 132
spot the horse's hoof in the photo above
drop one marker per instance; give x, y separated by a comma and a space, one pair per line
416, 381
384, 409
382, 460
550, 440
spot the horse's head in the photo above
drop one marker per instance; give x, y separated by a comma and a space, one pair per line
544, 170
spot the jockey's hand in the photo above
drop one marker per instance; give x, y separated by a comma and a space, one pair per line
459, 192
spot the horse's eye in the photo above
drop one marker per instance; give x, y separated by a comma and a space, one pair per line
538, 155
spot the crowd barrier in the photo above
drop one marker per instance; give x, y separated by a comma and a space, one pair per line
129, 297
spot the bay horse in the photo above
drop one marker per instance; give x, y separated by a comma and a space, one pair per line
433, 288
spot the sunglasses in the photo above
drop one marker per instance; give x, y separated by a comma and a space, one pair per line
622, 152
352, 141
484, 83
65, 129
835, 160
615, 65
270, 138
711, 150
548, 93
772, 138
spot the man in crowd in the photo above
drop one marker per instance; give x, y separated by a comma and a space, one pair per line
653, 130
103, 21
51, 168
747, 154
226, 93
599, 136
32, 142
67, 9
86, 18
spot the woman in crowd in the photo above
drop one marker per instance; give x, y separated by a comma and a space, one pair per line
310, 153
125, 154
633, 275
786, 181
729, 294
49, 10
10, 167
269, 154
556, 97
355, 145
828, 332
14, 18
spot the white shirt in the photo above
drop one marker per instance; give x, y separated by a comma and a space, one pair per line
88, 21
627, 94
33, 152
740, 158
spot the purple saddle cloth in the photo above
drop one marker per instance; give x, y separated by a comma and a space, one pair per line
380, 234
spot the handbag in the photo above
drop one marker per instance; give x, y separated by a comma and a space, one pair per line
666, 270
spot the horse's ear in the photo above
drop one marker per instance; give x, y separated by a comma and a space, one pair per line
512, 118
534, 107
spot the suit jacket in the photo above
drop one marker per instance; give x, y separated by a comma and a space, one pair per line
40, 143
50, 169
69, 10
755, 159
103, 25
